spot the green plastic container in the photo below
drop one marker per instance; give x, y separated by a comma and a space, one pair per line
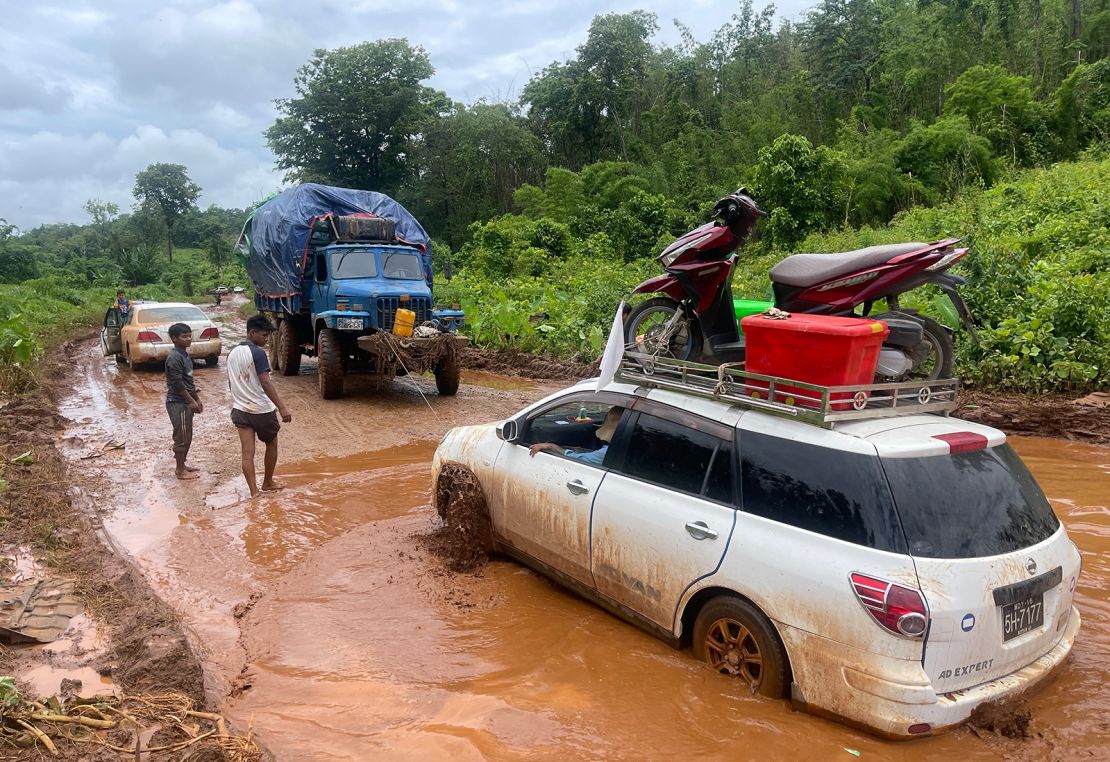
745, 307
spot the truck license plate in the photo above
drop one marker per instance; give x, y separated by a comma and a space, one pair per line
348, 323
1021, 617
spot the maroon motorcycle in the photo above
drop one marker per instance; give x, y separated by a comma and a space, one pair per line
695, 319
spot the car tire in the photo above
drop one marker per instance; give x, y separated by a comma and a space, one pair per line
212, 361
130, 359
734, 638
120, 358
329, 350
287, 348
447, 375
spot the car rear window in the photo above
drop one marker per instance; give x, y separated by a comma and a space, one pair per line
170, 314
971, 504
831, 492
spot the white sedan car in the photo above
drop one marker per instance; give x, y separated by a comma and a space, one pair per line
143, 334
894, 573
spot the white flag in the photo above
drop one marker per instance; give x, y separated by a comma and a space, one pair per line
614, 349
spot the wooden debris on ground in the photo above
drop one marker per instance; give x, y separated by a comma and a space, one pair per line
120, 723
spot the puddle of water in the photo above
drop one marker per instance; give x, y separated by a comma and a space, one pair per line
82, 635
46, 680
506, 665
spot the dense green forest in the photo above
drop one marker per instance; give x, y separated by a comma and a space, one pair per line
866, 121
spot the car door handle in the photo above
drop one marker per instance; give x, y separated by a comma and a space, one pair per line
699, 530
577, 487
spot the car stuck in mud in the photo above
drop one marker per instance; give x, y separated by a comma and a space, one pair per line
894, 571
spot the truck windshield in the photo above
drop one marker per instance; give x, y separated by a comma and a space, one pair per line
969, 505
353, 263
402, 265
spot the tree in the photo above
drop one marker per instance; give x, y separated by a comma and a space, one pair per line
616, 55
1001, 108
356, 116
946, 157
17, 260
804, 187
167, 189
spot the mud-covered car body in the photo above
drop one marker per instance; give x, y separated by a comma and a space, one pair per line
143, 335
910, 567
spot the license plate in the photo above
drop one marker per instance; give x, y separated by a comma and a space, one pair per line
348, 323
1021, 617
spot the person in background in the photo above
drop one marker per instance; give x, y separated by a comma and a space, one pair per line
182, 400
123, 304
594, 457
255, 404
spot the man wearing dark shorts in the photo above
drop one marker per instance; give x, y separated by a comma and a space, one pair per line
255, 404
182, 400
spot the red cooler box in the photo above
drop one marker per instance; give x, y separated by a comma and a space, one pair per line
817, 349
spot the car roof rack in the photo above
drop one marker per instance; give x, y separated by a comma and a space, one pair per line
802, 401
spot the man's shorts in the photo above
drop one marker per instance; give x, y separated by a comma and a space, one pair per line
265, 425
181, 416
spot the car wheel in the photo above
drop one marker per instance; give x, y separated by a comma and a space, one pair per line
130, 360
120, 358
212, 361
734, 638
461, 503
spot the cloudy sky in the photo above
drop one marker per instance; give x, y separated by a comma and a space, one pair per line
92, 92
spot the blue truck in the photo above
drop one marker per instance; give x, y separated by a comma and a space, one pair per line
332, 268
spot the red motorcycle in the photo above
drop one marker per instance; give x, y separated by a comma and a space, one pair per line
695, 319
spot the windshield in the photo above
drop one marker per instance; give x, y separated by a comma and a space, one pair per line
402, 266
968, 505
353, 263
183, 313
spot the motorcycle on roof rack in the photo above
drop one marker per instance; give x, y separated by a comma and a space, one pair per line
694, 318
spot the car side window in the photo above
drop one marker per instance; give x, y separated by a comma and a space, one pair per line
820, 489
672, 455
576, 426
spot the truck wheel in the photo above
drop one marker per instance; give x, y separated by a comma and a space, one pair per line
447, 375
329, 350
287, 347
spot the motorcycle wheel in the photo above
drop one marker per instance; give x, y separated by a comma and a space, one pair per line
935, 356
646, 322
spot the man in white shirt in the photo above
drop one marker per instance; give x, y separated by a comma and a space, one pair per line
255, 404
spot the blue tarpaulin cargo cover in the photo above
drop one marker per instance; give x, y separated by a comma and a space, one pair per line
274, 242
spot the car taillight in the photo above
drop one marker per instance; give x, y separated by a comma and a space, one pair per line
897, 609
963, 441
149, 336
211, 333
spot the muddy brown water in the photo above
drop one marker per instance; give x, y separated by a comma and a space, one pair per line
329, 630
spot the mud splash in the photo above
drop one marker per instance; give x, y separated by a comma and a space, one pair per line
465, 539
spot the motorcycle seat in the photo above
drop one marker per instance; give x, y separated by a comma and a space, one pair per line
811, 269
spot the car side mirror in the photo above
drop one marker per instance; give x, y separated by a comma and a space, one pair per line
508, 431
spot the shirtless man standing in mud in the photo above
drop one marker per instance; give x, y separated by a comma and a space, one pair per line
255, 404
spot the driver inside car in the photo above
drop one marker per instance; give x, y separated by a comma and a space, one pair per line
594, 457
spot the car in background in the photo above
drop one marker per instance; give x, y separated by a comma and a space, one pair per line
894, 573
143, 334
238, 290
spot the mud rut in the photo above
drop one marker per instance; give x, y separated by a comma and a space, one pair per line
326, 623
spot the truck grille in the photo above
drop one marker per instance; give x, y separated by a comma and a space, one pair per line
387, 310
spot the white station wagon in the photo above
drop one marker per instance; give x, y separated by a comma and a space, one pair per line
893, 572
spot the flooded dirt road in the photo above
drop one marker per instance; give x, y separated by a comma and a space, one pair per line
326, 626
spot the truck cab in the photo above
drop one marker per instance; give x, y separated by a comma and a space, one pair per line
352, 287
